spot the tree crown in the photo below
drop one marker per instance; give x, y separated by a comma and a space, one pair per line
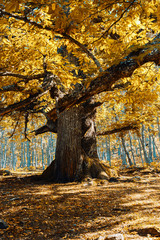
77, 49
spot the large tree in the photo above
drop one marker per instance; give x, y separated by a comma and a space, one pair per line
58, 56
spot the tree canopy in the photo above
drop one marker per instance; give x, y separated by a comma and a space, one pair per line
57, 54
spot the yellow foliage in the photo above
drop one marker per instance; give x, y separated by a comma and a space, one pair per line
109, 30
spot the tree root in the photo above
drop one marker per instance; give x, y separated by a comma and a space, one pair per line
91, 168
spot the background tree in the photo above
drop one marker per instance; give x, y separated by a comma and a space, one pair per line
57, 56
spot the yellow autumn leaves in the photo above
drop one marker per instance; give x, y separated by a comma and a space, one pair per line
91, 23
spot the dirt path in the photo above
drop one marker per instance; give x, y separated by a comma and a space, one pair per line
80, 211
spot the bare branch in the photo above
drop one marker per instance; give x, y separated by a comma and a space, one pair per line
49, 127
116, 130
41, 130
107, 31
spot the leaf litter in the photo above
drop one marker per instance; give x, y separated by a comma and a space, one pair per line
42, 210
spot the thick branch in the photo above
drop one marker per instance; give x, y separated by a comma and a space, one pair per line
22, 104
116, 130
49, 127
105, 81
49, 82
41, 130
100, 84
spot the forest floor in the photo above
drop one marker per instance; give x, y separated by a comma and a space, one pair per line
87, 210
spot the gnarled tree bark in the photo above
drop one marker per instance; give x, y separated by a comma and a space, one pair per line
76, 150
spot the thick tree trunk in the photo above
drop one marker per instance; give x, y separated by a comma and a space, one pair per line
68, 148
76, 150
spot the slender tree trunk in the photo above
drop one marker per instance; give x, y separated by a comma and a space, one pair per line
155, 147
150, 154
140, 151
143, 143
127, 153
108, 148
76, 149
131, 146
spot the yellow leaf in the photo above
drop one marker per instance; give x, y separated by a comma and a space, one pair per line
6, 41
12, 6
53, 6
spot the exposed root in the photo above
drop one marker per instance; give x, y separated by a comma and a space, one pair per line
48, 173
91, 168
